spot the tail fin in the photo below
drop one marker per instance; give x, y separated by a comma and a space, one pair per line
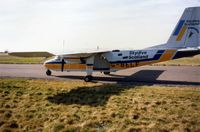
186, 32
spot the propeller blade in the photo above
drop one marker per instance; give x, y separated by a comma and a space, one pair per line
62, 65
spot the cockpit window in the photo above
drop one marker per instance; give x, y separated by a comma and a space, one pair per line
57, 58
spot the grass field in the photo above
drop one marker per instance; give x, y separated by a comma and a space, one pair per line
52, 105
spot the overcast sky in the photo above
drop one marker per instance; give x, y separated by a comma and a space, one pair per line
42, 25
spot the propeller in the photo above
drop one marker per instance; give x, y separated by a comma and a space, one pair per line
62, 64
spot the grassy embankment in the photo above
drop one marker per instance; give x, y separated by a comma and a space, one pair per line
52, 105
6, 59
193, 61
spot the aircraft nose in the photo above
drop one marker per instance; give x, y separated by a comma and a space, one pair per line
47, 63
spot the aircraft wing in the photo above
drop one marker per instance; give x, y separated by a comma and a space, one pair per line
82, 55
31, 54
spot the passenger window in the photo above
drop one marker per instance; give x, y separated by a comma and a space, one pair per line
120, 54
125, 57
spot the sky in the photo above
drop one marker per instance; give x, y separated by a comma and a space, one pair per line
81, 25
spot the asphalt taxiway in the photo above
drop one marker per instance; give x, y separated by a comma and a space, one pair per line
180, 75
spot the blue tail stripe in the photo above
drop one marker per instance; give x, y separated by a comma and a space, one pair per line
180, 25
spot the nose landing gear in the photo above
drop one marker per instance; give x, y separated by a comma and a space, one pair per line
48, 72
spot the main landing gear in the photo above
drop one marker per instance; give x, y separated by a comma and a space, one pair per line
48, 72
106, 73
88, 78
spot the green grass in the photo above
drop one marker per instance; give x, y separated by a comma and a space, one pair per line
190, 61
52, 105
7, 59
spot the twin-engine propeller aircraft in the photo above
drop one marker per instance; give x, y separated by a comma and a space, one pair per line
183, 42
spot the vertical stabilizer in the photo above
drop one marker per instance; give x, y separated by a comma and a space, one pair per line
186, 32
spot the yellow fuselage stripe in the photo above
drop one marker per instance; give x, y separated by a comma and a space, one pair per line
66, 66
167, 55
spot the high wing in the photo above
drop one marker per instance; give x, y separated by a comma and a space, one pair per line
47, 54
81, 55
32, 54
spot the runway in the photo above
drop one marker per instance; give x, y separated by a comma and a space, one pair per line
178, 75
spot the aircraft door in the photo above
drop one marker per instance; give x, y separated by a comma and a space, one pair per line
101, 63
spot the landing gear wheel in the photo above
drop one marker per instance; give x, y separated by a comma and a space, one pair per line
48, 72
106, 73
88, 78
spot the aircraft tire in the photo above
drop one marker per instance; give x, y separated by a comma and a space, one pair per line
48, 72
88, 78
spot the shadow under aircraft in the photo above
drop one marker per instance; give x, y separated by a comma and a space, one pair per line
99, 95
